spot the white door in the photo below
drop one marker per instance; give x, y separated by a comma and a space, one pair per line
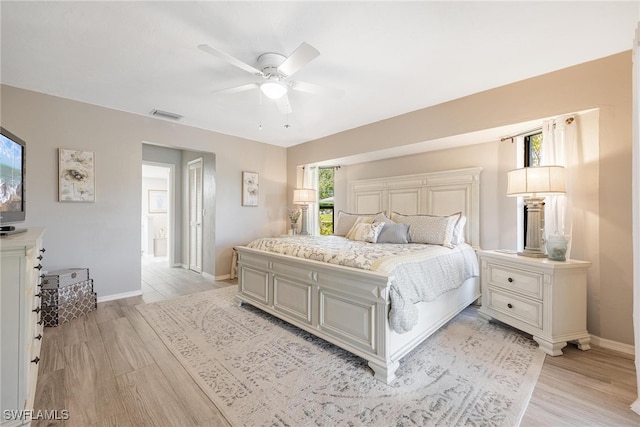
195, 215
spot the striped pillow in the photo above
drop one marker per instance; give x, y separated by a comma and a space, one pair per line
363, 232
345, 221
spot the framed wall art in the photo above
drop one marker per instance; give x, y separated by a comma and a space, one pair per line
250, 188
76, 176
158, 201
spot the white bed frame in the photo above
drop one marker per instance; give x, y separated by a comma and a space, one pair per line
349, 307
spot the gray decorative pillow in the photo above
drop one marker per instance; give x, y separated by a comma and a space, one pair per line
394, 233
430, 229
345, 221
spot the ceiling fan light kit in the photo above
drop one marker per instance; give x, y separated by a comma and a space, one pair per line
274, 89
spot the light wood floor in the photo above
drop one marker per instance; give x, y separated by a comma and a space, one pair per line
109, 368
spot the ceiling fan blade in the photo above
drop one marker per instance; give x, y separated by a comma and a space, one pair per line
284, 106
300, 57
317, 89
236, 89
230, 59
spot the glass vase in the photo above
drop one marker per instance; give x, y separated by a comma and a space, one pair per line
557, 247
294, 228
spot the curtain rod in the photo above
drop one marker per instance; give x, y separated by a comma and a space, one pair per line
510, 138
568, 121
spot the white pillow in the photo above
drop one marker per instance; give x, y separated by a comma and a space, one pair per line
430, 229
363, 232
458, 231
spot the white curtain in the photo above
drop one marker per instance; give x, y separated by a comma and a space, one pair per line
559, 142
310, 180
520, 200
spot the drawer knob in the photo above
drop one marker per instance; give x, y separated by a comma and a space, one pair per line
39, 257
510, 280
510, 305
38, 267
43, 250
39, 336
36, 310
36, 360
38, 295
40, 322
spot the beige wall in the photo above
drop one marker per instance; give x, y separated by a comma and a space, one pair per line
604, 206
105, 235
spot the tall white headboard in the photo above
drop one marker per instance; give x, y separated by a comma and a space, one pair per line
433, 193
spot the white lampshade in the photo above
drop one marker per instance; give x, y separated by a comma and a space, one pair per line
536, 181
304, 196
273, 89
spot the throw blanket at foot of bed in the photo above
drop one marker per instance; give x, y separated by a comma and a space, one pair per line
421, 273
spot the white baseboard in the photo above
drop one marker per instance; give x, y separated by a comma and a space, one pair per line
613, 345
223, 277
120, 296
635, 406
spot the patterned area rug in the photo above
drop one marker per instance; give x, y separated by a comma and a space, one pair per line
259, 370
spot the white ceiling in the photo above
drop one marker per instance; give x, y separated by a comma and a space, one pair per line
389, 58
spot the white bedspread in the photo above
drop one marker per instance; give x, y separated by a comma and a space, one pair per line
419, 272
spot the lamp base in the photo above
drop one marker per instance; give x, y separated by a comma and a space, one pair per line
535, 228
303, 230
532, 254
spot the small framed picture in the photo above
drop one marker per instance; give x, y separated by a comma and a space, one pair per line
158, 201
76, 176
250, 188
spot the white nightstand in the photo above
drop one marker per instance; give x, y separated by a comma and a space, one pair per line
547, 299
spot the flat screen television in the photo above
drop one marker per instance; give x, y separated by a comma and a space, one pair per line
13, 206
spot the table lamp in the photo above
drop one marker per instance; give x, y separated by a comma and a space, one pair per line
533, 184
304, 196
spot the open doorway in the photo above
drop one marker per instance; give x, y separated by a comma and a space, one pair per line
183, 211
157, 213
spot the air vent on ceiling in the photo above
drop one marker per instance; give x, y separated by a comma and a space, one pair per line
166, 114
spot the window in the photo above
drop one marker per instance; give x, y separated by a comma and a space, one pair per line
532, 157
533, 149
325, 199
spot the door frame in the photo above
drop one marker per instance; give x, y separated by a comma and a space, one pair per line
199, 160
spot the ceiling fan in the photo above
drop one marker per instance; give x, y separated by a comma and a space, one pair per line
275, 71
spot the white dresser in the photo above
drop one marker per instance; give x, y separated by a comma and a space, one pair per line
20, 324
547, 299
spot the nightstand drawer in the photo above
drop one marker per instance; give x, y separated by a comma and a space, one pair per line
522, 282
518, 308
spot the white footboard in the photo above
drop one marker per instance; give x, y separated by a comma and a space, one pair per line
345, 306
